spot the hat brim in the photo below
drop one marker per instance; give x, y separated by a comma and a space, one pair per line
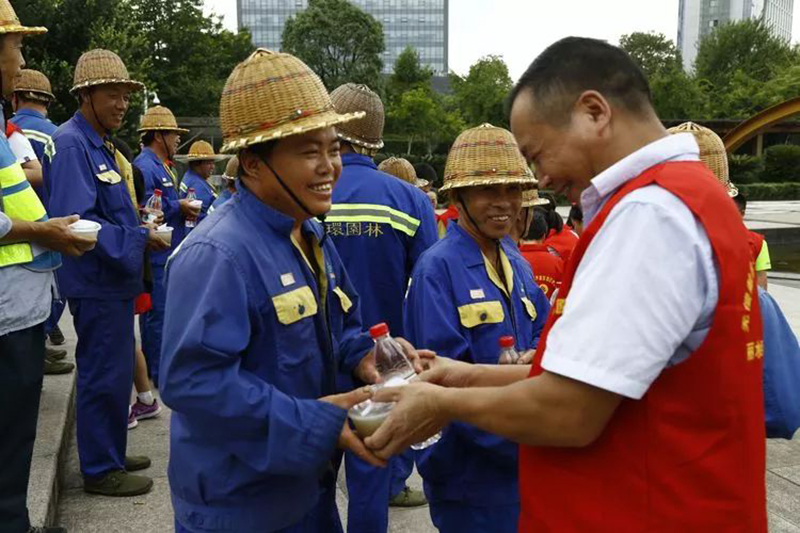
294, 127
25, 30
460, 183
360, 142
535, 203
186, 158
133, 84
162, 128
36, 94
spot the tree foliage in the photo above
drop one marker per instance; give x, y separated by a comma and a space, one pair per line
408, 74
653, 52
339, 41
420, 116
481, 95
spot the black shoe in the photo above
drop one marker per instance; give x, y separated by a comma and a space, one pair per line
52, 367
136, 462
118, 483
52, 529
56, 337
54, 354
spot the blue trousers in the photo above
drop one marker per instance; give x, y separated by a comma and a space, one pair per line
105, 358
402, 465
56, 310
459, 517
151, 324
368, 491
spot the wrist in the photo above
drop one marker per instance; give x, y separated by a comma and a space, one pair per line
447, 399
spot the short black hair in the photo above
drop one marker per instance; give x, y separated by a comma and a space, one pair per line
577, 64
148, 137
426, 172
539, 228
741, 201
575, 214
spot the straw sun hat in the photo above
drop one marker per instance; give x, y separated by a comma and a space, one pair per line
271, 95
159, 118
33, 85
102, 67
367, 131
232, 168
9, 23
712, 152
530, 198
399, 167
201, 151
486, 155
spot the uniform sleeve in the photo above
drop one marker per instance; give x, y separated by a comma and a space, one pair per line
431, 321
427, 233
170, 206
73, 190
209, 320
356, 342
763, 261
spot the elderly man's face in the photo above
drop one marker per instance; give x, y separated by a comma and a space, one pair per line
11, 61
491, 209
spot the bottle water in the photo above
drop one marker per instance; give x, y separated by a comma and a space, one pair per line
395, 369
191, 221
152, 207
508, 354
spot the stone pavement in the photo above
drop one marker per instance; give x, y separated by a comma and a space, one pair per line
82, 513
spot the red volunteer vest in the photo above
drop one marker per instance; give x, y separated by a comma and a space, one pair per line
688, 456
563, 242
756, 241
547, 268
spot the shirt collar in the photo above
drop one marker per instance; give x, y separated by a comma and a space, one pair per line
276, 220
88, 130
353, 158
30, 112
678, 147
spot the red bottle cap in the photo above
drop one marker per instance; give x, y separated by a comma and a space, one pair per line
507, 342
191, 189
157, 192
379, 330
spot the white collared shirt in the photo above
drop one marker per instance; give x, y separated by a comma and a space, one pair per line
645, 292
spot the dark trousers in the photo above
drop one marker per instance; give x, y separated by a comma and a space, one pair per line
151, 324
21, 370
105, 358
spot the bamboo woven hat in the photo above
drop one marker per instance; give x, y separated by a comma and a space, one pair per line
232, 168
9, 22
102, 67
160, 118
201, 151
712, 152
530, 198
401, 168
367, 131
271, 95
486, 155
33, 85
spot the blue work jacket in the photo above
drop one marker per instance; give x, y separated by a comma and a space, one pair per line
255, 339
380, 225
156, 176
39, 131
202, 189
223, 197
83, 178
456, 307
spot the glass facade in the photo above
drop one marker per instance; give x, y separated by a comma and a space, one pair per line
421, 24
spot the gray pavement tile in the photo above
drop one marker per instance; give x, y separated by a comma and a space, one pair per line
789, 473
783, 498
782, 453
781, 525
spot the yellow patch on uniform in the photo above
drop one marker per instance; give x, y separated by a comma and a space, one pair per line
530, 308
472, 315
109, 176
294, 305
343, 298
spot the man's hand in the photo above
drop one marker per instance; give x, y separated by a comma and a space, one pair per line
159, 216
368, 373
416, 416
348, 440
54, 234
187, 210
526, 357
448, 372
154, 242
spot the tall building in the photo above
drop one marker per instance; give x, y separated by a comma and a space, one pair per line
697, 18
421, 24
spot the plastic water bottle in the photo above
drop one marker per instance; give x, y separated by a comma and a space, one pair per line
508, 354
152, 207
191, 221
394, 368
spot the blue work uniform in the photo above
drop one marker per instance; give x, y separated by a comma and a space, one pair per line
157, 175
223, 197
255, 341
100, 286
380, 224
202, 189
39, 131
459, 306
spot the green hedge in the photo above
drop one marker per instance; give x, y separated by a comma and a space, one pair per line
745, 168
770, 191
781, 164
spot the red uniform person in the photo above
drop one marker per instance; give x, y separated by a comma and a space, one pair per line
548, 268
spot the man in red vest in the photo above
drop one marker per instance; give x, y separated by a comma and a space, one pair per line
643, 409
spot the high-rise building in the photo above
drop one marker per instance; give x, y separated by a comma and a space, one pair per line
697, 18
421, 24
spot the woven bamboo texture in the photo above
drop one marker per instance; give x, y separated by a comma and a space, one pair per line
34, 84
530, 198
160, 118
367, 131
272, 95
401, 168
486, 155
232, 168
102, 67
9, 22
712, 152
201, 151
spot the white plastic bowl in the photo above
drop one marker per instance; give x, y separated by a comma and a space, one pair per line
196, 203
85, 228
165, 234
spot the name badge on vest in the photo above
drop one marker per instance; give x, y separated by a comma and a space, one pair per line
477, 294
103, 167
166, 182
287, 279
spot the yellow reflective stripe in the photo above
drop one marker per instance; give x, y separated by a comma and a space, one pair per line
372, 218
23, 204
377, 207
381, 214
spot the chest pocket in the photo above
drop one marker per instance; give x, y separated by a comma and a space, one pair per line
530, 308
109, 176
295, 305
475, 314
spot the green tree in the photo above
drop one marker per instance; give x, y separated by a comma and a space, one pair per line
482, 93
677, 94
408, 74
420, 116
339, 41
653, 52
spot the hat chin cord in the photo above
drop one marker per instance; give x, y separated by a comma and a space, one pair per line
96, 116
474, 224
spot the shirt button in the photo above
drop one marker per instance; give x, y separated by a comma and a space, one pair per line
484, 316
302, 309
